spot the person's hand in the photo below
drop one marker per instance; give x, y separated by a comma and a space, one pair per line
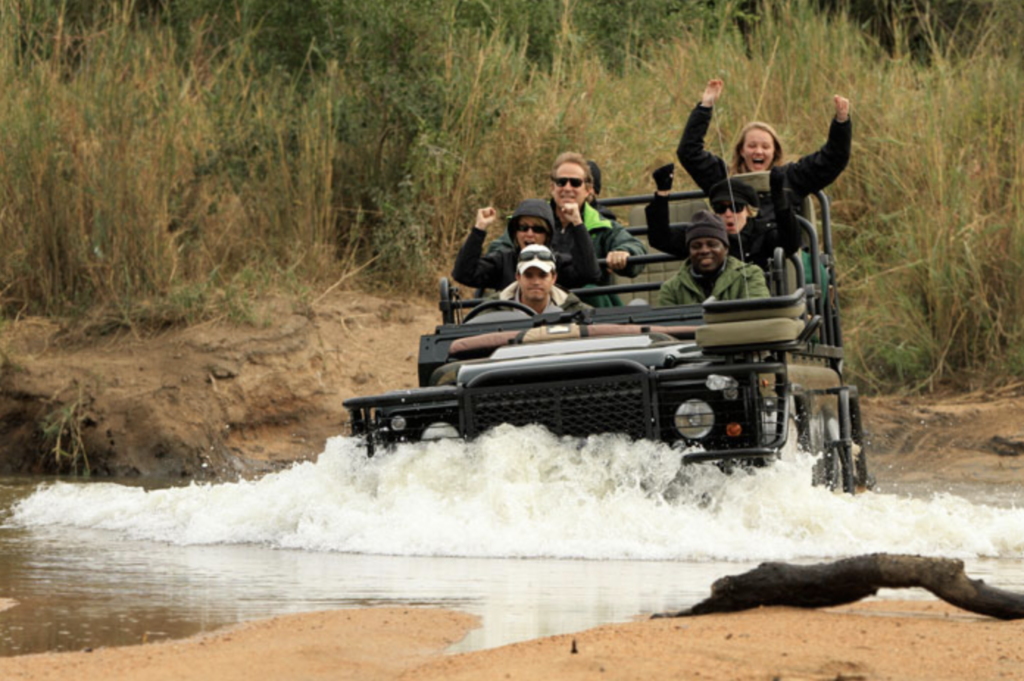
485, 217
663, 177
842, 108
712, 92
616, 260
570, 213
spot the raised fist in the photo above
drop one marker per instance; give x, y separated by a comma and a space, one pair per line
571, 213
712, 92
663, 177
842, 108
485, 217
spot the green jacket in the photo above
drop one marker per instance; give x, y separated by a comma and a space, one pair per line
609, 236
737, 282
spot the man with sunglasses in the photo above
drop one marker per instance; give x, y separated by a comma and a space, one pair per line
571, 187
536, 274
532, 223
709, 270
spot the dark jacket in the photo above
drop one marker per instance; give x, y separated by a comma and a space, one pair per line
737, 281
574, 255
809, 174
756, 243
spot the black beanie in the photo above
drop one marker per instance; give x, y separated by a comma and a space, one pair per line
706, 224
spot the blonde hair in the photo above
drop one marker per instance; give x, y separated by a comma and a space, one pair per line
576, 158
738, 165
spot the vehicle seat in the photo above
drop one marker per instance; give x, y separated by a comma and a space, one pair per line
760, 183
753, 323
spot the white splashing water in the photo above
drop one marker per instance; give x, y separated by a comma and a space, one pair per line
521, 492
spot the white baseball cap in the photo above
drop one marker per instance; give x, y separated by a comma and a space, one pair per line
537, 256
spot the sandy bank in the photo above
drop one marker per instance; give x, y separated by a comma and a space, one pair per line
872, 640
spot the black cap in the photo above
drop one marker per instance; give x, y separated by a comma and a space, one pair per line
734, 191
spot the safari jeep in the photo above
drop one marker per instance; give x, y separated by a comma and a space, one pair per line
724, 382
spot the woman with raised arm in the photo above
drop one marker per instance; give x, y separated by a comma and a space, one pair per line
759, 149
532, 223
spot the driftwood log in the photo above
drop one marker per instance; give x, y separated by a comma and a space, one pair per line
851, 579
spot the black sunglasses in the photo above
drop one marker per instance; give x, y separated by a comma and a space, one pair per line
527, 256
736, 207
562, 181
536, 229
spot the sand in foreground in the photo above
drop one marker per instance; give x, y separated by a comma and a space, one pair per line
872, 640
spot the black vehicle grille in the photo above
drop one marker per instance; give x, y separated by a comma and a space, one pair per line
578, 408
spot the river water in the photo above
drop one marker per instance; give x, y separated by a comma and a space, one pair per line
536, 536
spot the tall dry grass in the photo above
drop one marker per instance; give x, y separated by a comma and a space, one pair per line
165, 179
144, 177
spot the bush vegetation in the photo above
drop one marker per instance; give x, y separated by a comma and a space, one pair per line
163, 159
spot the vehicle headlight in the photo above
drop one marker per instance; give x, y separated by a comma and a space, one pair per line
398, 423
439, 431
694, 419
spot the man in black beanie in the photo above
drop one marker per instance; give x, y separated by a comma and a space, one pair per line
710, 270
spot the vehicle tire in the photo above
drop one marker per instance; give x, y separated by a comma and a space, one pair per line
818, 428
795, 432
863, 479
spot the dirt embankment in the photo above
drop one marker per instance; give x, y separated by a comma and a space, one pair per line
212, 401
219, 400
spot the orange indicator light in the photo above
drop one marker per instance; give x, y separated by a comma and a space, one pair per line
734, 430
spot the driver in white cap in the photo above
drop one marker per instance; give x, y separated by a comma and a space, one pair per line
535, 283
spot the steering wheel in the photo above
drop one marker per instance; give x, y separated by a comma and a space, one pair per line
495, 304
